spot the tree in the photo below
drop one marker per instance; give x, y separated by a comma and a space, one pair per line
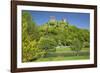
30, 51
76, 46
47, 44
86, 45
29, 39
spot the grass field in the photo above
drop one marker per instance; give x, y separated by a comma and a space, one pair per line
68, 49
63, 58
62, 54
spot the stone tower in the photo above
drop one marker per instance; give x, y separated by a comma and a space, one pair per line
52, 18
64, 19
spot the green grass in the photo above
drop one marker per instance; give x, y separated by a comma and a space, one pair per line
62, 54
69, 49
62, 49
85, 49
63, 58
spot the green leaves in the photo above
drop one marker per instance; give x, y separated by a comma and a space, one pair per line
39, 41
76, 45
30, 51
47, 43
30, 36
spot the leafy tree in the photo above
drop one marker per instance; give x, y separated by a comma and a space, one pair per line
76, 46
86, 44
30, 51
29, 39
47, 44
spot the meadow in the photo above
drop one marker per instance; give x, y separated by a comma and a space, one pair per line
62, 54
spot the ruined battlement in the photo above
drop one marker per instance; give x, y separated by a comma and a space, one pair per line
53, 19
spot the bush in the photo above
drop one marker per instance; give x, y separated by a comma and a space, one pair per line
30, 51
86, 44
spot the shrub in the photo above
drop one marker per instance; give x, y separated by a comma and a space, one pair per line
30, 51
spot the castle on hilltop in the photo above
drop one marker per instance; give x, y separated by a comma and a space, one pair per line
53, 19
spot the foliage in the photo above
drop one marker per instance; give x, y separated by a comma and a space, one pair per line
40, 40
76, 46
30, 52
29, 37
47, 44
